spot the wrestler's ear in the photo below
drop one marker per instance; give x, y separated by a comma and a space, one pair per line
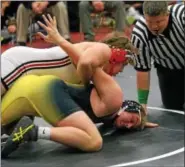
151, 125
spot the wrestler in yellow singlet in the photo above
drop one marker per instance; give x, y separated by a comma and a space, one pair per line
45, 96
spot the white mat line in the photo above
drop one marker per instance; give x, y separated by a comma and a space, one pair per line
150, 159
171, 129
178, 151
168, 110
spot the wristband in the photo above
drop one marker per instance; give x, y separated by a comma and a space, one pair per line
143, 96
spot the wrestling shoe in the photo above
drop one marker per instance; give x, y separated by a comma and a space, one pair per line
8, 129
24, 131
4, 138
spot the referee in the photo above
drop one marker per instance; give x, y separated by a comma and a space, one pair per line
160, 37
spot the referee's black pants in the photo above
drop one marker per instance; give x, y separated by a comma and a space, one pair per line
171, 84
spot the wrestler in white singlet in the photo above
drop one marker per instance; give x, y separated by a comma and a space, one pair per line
20, 60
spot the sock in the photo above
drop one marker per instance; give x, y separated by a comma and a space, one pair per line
44, 133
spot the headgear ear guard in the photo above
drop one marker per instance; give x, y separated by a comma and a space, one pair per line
134, 107
117, 56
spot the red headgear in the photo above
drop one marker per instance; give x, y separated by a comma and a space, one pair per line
118, 56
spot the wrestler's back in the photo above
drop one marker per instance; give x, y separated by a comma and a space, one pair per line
20, 61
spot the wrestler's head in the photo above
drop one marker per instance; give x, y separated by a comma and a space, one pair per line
130, 116
122, 52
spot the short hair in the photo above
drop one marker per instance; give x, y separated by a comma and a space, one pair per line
155, 8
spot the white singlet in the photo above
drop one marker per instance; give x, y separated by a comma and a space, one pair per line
19, 61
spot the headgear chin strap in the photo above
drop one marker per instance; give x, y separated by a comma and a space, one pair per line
118, 56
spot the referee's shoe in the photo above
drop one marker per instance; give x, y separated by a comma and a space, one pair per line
24, 131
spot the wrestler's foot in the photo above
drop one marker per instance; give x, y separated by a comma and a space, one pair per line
25, 130
8, 129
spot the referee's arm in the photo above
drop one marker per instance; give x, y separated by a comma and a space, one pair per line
143, 67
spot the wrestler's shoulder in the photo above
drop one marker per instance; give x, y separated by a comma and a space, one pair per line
85, 45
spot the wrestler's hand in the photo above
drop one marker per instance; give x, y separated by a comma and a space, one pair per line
145, 108
53, 35
151, 125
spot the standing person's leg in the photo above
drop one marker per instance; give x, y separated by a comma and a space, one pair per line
23, 19
59, 10
119, 12
171, 84
85, 10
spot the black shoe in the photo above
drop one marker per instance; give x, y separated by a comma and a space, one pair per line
20, 44
6, 40
4, 138
24, 131
89, 39
8, 129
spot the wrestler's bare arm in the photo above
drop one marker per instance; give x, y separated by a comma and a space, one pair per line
87, 56
93, 56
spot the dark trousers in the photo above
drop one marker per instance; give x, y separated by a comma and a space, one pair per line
171, 84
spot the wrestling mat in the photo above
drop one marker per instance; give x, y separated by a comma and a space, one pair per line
162, 146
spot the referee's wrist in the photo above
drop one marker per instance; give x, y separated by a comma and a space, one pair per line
143, 96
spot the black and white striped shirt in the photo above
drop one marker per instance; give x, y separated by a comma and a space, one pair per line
166, 50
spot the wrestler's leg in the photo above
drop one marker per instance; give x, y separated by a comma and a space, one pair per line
12, 114
72, 126
78, 131
15, 111
14, 106
108, 96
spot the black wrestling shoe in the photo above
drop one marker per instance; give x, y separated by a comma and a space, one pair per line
24, 131
8, 129
4, 138
20, 44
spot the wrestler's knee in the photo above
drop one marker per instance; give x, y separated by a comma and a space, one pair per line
95, 144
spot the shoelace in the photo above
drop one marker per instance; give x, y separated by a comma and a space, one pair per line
19, 135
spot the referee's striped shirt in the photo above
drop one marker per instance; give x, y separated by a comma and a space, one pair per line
166, 50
